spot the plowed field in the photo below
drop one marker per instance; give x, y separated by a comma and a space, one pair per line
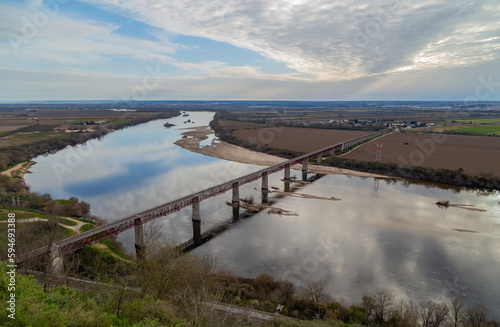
476, 155
296, 139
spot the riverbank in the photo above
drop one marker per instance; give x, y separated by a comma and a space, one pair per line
18, 170
219, 149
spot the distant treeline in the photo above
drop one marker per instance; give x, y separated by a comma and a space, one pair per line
444, 176
12, 155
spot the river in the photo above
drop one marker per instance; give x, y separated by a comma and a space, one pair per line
386, 234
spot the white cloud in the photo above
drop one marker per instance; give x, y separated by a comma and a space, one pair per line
354, 50
335, 40
38, 37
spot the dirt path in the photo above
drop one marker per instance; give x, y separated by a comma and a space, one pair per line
27, 220
76, 228
223, 150
18, 170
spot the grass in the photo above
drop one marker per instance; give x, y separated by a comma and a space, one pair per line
86, 227
67, 222
113, 249
21, 214
488, 129
479, 121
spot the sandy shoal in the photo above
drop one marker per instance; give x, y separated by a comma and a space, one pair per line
223, 150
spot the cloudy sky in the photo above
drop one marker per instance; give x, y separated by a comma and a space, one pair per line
249, 50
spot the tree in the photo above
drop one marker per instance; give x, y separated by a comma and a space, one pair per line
477, 316
404, 314
432, 314
384, 301
456, 316
368, 304
288, 291
316, 290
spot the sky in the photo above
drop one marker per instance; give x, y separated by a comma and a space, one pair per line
249, 50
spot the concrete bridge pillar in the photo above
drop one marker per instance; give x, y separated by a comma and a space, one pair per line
140, 246
287, 172
265, 181
56, 263
319, 159
333, 152
304, 165
287, 185
236, 193
265, 196
196, 224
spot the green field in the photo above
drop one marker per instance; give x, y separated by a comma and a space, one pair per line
479, 121
86, 227
488, 129
67, 222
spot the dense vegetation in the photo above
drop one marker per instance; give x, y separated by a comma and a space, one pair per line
169, 288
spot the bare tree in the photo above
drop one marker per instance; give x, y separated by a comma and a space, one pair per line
457, 309
204, 306
432, 314
477, 316
404, 314
440, 314
316, 290
384, 301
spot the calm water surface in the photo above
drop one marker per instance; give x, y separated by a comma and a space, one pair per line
392, 237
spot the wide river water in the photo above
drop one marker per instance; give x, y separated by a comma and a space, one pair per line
387, 236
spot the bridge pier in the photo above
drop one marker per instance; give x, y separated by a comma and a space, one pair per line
236, 193
265, 195
319, 159
287, 185
304, 170
196, 219
140, 245
236, 201
56, 263
287, 172
265, 182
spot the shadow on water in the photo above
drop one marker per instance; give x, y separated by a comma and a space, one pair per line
290, 186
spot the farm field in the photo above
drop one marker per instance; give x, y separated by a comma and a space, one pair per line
294, 138
479, 121
479, 129
476, 155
